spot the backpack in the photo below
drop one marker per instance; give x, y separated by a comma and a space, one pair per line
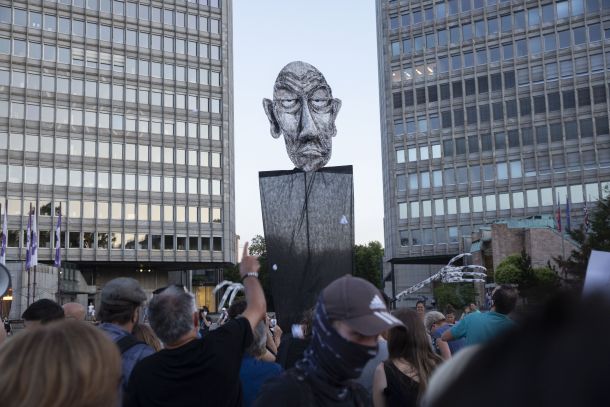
127, 342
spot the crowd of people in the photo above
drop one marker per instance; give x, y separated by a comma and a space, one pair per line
348, 350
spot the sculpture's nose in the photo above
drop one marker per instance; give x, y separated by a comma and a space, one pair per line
307, 125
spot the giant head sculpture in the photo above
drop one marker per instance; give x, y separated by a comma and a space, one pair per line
304, 111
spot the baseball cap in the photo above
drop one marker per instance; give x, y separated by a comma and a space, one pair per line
123, 291
433, 317
359, 304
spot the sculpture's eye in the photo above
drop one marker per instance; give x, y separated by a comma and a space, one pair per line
320, 103
320, 99
289, 103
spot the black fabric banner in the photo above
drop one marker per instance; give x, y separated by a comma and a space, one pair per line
309, 233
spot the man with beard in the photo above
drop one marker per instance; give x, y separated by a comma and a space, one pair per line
121, 303
349, 315
303, 109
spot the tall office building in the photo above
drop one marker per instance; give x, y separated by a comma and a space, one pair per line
119, 114
489, 109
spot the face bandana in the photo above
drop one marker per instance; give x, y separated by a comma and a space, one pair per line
332, 359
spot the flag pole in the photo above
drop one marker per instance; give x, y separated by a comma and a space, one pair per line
56, 261
563, 247
27, 250
34, 250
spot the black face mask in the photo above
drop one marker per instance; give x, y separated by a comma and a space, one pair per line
332, 358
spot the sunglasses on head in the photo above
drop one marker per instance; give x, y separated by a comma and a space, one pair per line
160, 290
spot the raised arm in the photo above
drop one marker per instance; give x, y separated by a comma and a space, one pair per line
255, 298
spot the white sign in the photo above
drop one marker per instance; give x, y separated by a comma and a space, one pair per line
598, 273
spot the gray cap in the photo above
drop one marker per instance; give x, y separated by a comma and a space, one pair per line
123, 291
431, 318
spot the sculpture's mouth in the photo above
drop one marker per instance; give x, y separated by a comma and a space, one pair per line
310, 151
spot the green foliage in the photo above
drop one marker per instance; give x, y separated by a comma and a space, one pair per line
574, 268
368, 260
232, 273
535, 284
258, 247
509, 270
457, 294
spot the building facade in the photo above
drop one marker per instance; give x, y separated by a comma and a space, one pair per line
489, 109
119, 114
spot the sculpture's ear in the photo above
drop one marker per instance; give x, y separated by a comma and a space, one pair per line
336, 106
275, 126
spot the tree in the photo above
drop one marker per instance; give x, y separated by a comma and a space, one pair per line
574, 268
535, 284
457, 294
368, 260
258, 247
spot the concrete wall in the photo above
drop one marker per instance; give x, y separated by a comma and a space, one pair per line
542, 244
505, 242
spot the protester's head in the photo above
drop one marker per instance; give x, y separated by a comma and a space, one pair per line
420, 308
237, 308
74, 310
42, 312
307, 322
144, 333
450, 314
410, 342
504, 299
203, 312
349, 316
172, 315
434, 320
121, 301
304, 110
66, 363
258, 347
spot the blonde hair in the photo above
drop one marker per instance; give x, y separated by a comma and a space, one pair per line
144, 333
67, 363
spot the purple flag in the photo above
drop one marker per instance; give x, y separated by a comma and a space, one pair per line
28, 242
4, 237
568, 213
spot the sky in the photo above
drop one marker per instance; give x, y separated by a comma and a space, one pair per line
339, 38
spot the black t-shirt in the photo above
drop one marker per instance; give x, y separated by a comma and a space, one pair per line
291, 350
203, 372
294, 390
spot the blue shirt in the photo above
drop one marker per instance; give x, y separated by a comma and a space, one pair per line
454, 345
480, 327
131, 356
253, 374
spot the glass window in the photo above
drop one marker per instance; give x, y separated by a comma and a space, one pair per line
515, 169
546, 196
501, 171
595, 33
548, 13
565, 39
563, 9
580, 35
